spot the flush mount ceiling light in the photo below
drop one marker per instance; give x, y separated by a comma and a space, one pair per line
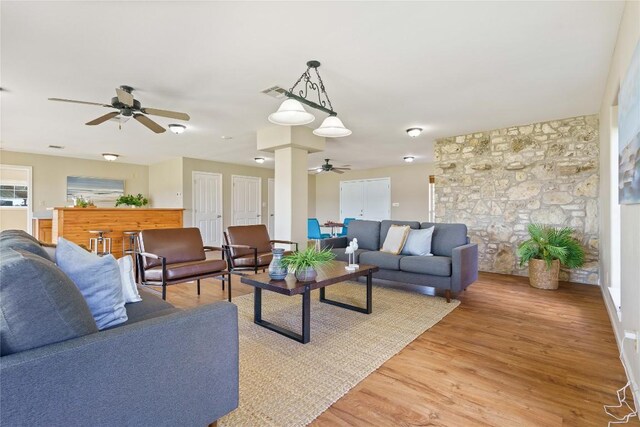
259, 159
110, 157
414, 132
292, 112
408, 159
177, 129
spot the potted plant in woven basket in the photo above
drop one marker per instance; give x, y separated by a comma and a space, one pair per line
545, 250
305, 263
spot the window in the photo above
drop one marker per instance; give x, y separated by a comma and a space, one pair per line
14, 195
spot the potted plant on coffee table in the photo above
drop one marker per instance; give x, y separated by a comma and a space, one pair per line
305, 263
545, 250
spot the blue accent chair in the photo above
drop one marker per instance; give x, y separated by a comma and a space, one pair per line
346, 222
313, 230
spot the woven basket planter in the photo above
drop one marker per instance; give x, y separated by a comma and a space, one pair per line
542, 278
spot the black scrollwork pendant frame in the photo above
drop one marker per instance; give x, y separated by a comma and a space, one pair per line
312, 89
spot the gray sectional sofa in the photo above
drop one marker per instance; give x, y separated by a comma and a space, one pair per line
164, 366
453, 266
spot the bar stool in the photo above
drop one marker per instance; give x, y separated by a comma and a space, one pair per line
95, 242
130, 247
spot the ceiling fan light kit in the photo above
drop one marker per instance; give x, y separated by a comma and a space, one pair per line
414, 132
129, 107
177, 129
292, 112
110, 157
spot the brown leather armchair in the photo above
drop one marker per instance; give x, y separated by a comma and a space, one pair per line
176, 255
248, 247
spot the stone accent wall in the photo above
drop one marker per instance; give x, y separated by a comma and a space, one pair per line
497, 182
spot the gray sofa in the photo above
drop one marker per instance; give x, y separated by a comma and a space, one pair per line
164, 366
453, 266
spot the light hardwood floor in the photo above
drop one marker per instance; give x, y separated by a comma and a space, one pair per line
509, 355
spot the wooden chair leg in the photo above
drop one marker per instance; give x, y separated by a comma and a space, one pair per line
214, 424
447, 295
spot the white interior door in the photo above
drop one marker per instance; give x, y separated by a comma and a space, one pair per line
351, 200
207, 206
246, 196
365, 199
271, 207
377, 199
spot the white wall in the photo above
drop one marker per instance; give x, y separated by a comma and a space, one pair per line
165, 184
409, 188
628, 37
50, 176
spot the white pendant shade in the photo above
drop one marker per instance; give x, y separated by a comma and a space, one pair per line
291, 113
332, 127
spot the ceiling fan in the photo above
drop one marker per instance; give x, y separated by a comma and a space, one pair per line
127, 107
327, 167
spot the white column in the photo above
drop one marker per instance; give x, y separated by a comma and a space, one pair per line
291, 146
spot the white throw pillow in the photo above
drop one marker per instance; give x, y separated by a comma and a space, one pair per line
395, 239
418, 242
129, 288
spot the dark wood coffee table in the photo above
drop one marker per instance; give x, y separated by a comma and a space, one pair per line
333, 272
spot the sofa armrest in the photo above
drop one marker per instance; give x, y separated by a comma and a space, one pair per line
178, 369
334, 243
464, 264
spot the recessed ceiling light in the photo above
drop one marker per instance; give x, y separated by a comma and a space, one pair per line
110, 157
177, 129
409, 159
259, 159
414, 132
57, 147
226, 137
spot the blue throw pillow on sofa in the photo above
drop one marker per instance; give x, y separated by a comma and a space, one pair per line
418, 242
97, 278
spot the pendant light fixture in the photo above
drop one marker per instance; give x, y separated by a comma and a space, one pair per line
292, 112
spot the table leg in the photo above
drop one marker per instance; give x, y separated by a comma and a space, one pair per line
306, 315
369, 307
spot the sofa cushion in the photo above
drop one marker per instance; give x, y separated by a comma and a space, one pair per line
19, 240
387, 223
151, 306
418, 242
183, 270
433, 265
39, 304
396, 237
381, 259
342, 256
97, 278
367, 233
446, 237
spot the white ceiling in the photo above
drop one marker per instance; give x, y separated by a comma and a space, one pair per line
449, 67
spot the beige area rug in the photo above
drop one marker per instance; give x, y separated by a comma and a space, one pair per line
285, 383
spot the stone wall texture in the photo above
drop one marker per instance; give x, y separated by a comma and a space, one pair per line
497, 182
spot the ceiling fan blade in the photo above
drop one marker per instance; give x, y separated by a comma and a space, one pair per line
125, 97
337, 170
149, 123
341, 169
166, 113
103, 119
78, 102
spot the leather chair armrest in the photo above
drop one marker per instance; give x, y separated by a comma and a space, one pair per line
285, 242
150, 255
211, 248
